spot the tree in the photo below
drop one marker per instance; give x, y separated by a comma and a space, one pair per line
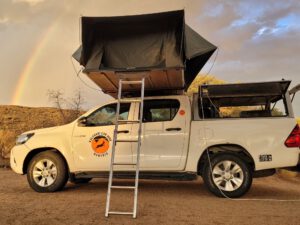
76, 104
210, 79
69, 108
203, 79
56, 97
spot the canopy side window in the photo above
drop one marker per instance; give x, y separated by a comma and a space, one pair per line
243, 100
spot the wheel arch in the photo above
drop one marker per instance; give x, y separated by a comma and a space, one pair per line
36, 151
229, 148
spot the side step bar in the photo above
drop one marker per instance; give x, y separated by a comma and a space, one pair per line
178, 176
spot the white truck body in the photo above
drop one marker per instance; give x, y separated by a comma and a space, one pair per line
172, 146
166, 150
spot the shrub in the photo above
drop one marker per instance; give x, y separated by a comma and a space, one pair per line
7, 141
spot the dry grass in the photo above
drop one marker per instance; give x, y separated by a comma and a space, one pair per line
15, 120
6, 142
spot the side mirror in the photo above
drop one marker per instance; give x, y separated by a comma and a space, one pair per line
82, 121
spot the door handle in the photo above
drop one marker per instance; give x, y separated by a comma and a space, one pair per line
123, 131
173, 129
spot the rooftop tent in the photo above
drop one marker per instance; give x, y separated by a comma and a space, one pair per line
158, 45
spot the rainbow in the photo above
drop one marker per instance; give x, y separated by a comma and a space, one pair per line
23, 80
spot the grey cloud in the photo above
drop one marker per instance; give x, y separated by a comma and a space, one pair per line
243, 55
22, 12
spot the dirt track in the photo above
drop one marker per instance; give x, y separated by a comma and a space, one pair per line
160, 202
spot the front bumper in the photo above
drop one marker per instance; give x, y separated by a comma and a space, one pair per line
17, 158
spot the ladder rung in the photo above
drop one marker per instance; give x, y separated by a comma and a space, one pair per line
125, 164
131, 82
129, 100
123, 187
128, 121
120, 140
120, 213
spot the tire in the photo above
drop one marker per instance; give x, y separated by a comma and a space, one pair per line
47, 172
231, 178
81, 180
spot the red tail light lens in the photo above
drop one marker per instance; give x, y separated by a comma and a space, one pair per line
293, 139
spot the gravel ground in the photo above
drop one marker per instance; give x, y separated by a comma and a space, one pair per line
160, 202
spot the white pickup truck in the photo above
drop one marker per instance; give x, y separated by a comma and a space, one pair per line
246, 130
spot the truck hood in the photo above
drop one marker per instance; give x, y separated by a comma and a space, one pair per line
47, 130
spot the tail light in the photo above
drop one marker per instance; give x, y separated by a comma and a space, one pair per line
293, 139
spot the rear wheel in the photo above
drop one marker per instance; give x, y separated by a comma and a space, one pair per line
227, 176
47, 172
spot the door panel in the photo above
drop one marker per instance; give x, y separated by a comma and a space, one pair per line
163, 135
92, 142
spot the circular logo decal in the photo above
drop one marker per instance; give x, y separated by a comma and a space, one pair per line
100, 143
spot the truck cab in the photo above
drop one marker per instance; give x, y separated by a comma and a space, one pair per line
166, 120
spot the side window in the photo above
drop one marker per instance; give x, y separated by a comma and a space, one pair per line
160, 110
106, 115
279, 108
243, 107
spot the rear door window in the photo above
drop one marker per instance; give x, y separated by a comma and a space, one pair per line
160, 110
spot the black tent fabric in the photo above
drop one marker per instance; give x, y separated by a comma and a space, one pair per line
159, 41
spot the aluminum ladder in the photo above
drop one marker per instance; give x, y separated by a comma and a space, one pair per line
116, 140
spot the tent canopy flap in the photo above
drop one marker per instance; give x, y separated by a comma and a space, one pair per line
150, 42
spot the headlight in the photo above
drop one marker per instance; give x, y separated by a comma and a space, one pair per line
23, 138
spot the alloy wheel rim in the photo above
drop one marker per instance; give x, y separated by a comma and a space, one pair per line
44, 173
228, 175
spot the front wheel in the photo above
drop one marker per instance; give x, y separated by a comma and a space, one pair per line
47, 172
227, 175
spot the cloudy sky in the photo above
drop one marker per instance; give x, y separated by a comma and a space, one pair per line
257, 40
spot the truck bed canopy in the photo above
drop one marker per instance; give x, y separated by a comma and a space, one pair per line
244, 94
158, 45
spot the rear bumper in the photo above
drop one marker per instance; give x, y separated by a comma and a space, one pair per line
295, 168
298, 165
